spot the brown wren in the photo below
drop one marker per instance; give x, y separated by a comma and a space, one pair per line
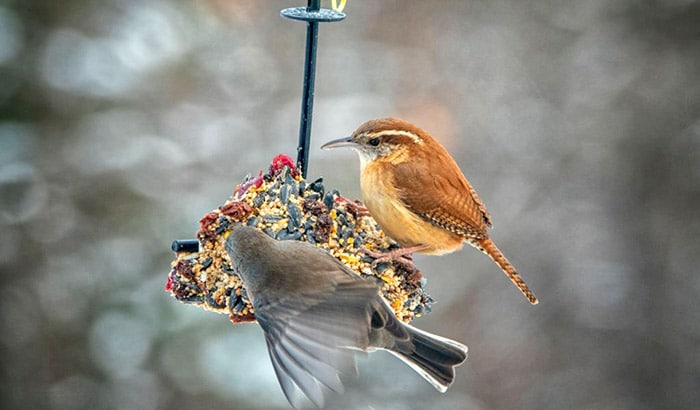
416, 192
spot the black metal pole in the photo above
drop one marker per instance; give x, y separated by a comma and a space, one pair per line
307, 98
313, 15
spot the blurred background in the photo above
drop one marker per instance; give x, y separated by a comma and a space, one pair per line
122, 122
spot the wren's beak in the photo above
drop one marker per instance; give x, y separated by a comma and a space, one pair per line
340, 142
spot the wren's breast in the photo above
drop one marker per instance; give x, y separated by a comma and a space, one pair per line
408, 229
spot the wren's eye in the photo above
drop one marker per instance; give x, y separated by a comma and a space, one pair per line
374, 142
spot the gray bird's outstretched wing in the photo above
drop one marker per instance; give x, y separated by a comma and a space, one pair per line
309, 334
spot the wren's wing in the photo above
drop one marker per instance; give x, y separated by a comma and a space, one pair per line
458, 208
308, 334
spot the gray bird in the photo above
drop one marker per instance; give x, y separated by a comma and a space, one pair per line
314, 312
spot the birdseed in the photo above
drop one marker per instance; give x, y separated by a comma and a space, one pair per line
286, 207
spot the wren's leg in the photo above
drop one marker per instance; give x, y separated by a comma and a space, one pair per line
401, 255
356, 209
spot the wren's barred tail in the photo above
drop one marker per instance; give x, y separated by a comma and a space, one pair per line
487, 246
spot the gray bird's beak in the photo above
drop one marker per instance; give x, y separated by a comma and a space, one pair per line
340, 142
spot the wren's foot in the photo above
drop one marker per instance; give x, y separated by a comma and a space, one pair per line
401, 255
355, 208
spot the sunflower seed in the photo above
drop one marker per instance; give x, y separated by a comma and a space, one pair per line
271, 219
223, 225
294, 215
284, 194
329, 198
284, 235
259, 200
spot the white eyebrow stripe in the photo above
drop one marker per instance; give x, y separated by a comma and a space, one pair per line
408, 134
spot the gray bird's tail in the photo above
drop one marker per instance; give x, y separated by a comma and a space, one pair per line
432, 356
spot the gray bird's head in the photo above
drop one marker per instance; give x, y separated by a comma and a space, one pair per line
247, 248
